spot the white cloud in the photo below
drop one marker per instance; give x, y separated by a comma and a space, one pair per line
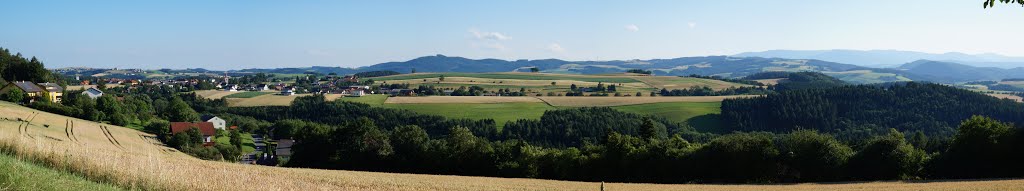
555, 47
632, 28
693, 25
487, 35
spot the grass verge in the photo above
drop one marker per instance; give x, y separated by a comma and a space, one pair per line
22, 175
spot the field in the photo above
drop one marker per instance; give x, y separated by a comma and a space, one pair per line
1019, 84
214, 94
247, 94
23, 175
541, 82
866, 76
500, 112
463, 99
513, 76
1007, 96
373, 100
270, 100
617, 101
90, 149
81, 87
674, 111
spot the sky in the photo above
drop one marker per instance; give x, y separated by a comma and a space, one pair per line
230, 34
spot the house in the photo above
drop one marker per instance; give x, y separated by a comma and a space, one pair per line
356, 93
24, 86
218, 123
205, 128
55, 91
34, 90
231, 87
93, 93
284, 148
262, 87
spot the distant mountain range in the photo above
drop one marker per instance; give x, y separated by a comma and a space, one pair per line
725, 66
891, 58
854, 70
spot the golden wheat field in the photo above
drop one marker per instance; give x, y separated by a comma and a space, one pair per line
134, 160
617, 101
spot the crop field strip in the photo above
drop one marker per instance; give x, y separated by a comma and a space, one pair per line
146, 167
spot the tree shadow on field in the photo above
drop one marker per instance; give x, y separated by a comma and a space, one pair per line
709, 123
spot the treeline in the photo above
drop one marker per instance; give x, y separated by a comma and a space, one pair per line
862, 111
315, 108
639, 71
15, 67
798, 80
707, 91
984, 148
719, 78
581, 126
371, 74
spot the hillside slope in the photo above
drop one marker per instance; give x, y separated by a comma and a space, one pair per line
131, 159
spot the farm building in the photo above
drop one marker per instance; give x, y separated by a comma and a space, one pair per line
284, 148
218, 123
205, 128
93, 93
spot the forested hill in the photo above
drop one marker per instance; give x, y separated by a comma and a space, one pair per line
710, 65
868, 109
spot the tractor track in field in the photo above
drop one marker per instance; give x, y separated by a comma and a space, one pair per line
110, 137
69, 130
23, 128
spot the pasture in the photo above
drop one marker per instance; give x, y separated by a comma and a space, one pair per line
373, 100
88, 149
248, 94
463, 99
617, 101
500, 112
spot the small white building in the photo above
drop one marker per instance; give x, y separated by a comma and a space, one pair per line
93, 93
218, 123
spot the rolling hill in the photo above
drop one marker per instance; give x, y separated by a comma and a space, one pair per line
710, 65
890, 58
86, 148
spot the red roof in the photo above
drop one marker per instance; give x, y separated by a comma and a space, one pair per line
206, 128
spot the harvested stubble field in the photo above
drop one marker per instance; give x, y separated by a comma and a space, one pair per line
131, 159
617, 101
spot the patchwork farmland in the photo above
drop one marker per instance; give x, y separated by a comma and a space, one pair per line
143, 163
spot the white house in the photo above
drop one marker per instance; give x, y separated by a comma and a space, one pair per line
218, 123
93, 93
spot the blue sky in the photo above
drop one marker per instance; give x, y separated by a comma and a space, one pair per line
268, 34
